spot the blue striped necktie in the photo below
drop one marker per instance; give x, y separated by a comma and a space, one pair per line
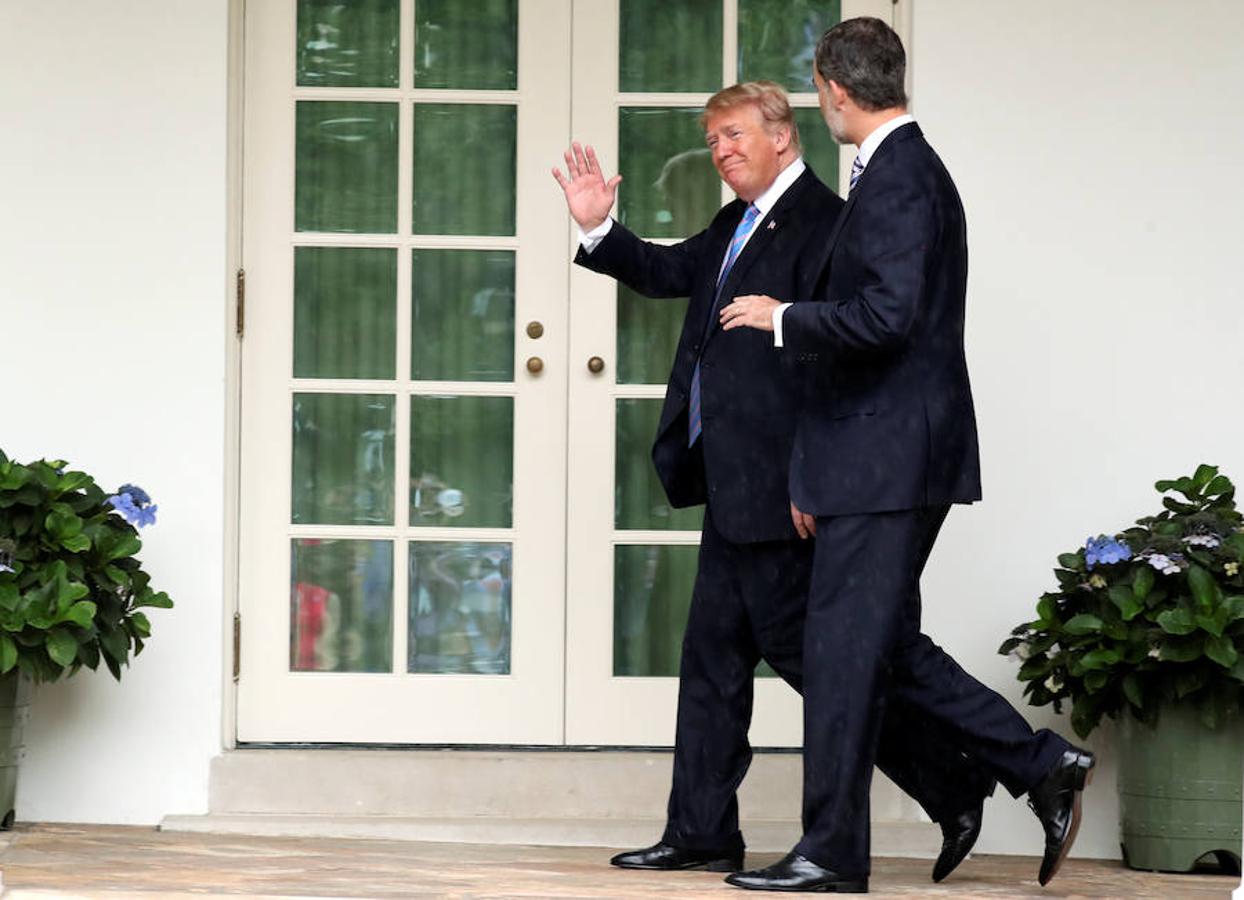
857, 169
695, 426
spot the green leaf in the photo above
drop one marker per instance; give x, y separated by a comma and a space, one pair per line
1177, 506
80, 614
1072, 561
1204, 474
1121, 596
1185, 650
1213, 624
1187, 682
1233, 605
1084, 623
8, 653
76, 544
1142, 581
1095, 681
1204, 588
142, 627
1045, 610
160, 600
61, 646
1177, 621
1220, 484
1099, 659
1237, 671
1222, 651
1132, 690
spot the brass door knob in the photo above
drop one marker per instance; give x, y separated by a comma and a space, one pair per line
535, 330
596, 365
535, 365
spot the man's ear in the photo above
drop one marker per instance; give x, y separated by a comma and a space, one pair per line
781, 138
838, 94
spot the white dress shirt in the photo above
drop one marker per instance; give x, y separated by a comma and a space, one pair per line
866, 150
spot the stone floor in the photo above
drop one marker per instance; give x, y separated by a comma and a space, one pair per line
113, 862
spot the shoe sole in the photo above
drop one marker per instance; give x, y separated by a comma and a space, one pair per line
838, 887
1084, 780
712, 865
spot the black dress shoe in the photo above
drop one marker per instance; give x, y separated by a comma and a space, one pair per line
1056, 801
958, 838
797, 873
662, 856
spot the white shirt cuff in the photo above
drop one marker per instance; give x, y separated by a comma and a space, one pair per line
589, 239
777, 323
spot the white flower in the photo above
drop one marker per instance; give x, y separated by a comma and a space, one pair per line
1163, 563
1231, 568
1096, 581
1021, 652
1155, 652
1202, 540
1053, 684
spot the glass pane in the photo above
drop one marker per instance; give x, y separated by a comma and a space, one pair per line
777, 39
651, 596
820, 151
345, 312
670, 46
461, 461
479, 197
469, 46
648, 333
341, 606
670, 188
639, 499
459, 608
346, 168
347, 44
343, 459
462, 323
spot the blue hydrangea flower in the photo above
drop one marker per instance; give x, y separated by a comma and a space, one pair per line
1104, 551
135, 505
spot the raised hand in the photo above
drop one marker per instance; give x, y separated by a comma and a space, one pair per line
589, 196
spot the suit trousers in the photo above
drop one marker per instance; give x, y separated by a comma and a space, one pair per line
865, 658
749, 604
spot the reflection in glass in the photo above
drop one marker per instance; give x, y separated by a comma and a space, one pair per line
345, 172
464, 168
820, 151
462, 323
461, 461
670, 186
345, 312
777, 39
468, 46
651, 596
347, 44
670, 46
459, 608
343, 459
341, 606
639, 499
648, 333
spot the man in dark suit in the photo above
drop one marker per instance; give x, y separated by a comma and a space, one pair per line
725, 438
885, 443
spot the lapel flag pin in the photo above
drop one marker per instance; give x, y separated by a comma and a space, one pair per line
772, 225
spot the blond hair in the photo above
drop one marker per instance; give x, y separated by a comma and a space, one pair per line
766, 96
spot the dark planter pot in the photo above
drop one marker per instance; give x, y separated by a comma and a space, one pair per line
1179, 791
14, 713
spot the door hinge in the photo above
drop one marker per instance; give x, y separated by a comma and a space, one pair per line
241, 302
237, 645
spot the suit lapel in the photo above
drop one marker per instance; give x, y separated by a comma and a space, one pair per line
766, 229
880, 156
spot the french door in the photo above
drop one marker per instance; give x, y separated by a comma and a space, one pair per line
450, 527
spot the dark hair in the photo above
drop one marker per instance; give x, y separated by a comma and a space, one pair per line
865, 57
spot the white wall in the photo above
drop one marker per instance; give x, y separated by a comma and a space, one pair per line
1096, 146
112, 249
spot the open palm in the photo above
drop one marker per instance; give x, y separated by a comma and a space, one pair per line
588, 195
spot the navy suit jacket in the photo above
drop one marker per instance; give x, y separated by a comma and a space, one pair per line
749, 391
887, 421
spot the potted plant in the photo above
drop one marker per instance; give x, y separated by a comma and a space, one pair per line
1147, 627
71, 588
